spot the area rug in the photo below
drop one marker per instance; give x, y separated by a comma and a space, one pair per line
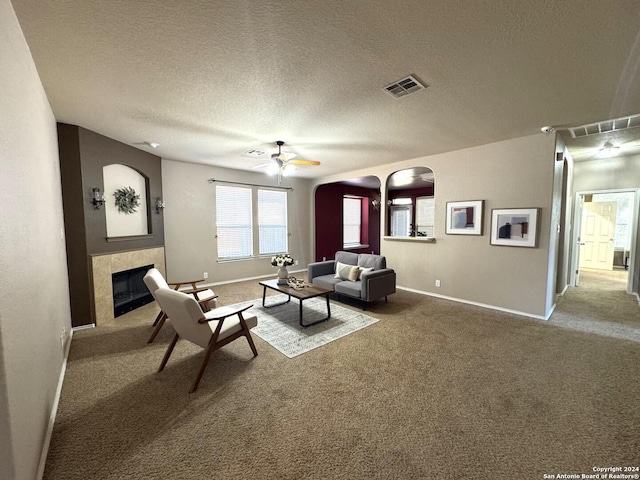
279, 326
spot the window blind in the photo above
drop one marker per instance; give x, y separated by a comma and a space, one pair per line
425, 216
234, 226
351, 221
272, 222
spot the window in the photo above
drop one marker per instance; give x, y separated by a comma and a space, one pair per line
351, 221
234, 222
235, 227
400, 220
425, 216
272, 222
411, 203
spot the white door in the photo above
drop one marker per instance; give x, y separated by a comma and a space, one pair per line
596, 235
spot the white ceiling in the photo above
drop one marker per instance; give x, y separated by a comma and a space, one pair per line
210, 80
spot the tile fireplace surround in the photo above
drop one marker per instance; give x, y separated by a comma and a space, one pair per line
103, 266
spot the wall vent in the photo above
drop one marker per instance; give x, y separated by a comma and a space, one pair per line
617, 124
404, 87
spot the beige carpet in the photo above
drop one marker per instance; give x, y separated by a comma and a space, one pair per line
434, 390
600, 305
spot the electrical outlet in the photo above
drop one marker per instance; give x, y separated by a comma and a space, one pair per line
437, 283
296, 262
205, 275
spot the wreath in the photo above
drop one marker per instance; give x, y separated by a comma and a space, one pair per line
127, 200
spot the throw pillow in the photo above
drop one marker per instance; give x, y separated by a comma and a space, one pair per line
354, 274
343, 270
363, 270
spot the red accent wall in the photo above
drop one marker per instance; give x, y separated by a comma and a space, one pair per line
328, 205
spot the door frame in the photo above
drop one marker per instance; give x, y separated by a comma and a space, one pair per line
577, 225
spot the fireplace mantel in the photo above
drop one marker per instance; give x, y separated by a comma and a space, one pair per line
104, 265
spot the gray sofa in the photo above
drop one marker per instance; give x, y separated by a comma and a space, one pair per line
369, 281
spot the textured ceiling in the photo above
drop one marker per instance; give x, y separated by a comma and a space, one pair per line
210, 80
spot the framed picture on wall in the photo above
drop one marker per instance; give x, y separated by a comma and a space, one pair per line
514, 227
464, 218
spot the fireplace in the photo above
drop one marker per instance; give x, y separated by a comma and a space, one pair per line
129, 290
103, 267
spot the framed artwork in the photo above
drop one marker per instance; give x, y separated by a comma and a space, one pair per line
464, 218
514, 227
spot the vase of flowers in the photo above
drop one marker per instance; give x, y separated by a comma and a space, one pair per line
282, 261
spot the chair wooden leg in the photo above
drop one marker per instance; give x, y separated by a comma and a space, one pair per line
168, 352
163, 318
210, 348
248, 334
155, 322
251, 344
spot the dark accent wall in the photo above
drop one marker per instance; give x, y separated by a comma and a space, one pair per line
83, 154
328, 205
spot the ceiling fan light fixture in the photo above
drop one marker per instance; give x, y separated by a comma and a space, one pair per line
273, 168
608, 150
286, 170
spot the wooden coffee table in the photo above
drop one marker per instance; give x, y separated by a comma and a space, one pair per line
301, 294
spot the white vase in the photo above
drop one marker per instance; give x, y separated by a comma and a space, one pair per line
283, 274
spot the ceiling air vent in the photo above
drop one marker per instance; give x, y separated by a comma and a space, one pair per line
253, 153
404, 87
607, 126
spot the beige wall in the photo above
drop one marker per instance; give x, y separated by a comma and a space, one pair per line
189, 216
614, 173
510, 174
34, 294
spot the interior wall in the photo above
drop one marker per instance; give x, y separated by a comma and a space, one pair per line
328, 219
516, 173
190, 243
83, 155
616, 173
555, 260
565, 177
34, 294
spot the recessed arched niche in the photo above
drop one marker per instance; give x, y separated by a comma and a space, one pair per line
410, 211
126, 205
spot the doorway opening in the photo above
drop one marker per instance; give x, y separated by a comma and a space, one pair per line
605, 223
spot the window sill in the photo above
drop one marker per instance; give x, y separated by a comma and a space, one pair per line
129, 238
354, 247
412, 239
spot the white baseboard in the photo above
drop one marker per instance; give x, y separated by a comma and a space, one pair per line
483, 305
259, 277
54, 409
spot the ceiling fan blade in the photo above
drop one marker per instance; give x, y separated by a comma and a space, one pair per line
261, 165
283, 156
303, 162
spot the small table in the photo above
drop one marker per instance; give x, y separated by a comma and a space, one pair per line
301, 294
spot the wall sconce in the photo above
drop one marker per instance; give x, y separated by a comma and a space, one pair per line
159, 205
375, 203
97, 199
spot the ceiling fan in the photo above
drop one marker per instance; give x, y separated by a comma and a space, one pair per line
282, 162
608, 149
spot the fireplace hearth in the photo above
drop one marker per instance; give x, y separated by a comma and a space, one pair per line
129, 290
